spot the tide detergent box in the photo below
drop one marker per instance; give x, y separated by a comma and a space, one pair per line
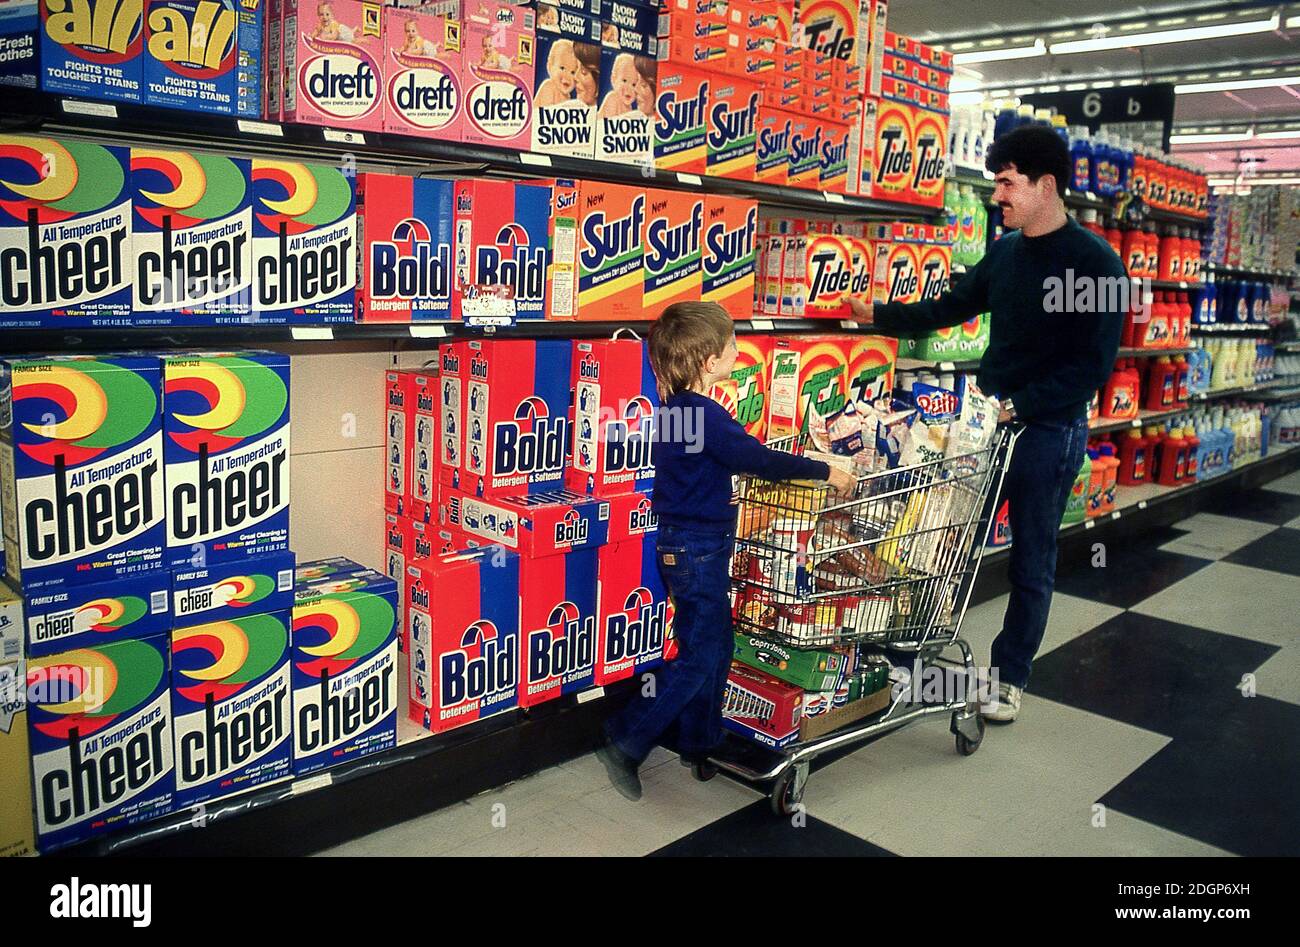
332, 51
930, 147
20, 30
411, 455
597, 257
681, 118
773, 263
232, 589
421, 70
674, 230
615, 405
894, 151
862, 147
193, 227
872, 359
344, 672
501, 230
730, 232
808, 376
65, 233
806, 137
92, 48
17, 831
204, 55
227, 454
463, 625
557, 625
404, 239
794, 274
81, 468
567, 78
498, 74
232, 705
908, 267
772, 145
100, 722
751, 376
535, 526
625, 119
304, 243
77, 616
831, 276
732, 134
833, 166
634, 615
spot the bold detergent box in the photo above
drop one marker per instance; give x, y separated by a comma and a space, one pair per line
92, 48
344, 672
567, 78
872, 359
20, 33
597, 255
498, 73
17, 831
630, 517
501, 230
412, 458
833, 164
535, 526
81, 469
78, 616
65, 233
232, 705
806, 138
681, 118
332, 53
615, 405
233, 589
634, 615
557, 625
100, 720
226, 447
421, 71
625, 119
751, 376
730, 231
674, 231
731, 128
404, 248
193, 228
204, 55
772, 145
808, 375
304, 243
462, 614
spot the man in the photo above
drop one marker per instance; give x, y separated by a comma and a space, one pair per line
1045, 361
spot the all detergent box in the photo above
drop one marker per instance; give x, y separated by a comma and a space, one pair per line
634, 613
557, 625
20, 51
673, 247
501, 229
421, 71
625, 120
332, 53
81, 468
498, 73
344, 671
100, 722
232, 589
92, 48
808, 375
536, 526
567, 79
227, 454
412, 457
615, 407
304, 243
732, 128
204, 55
681, 118
404, 247
730, 232
232, 705
65, 233
772, 145
872, 360
78, 616
17, 830
597, 256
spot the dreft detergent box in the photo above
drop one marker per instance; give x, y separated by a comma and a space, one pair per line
17, 830
615, 407
201, 55
625, 120
20, 31
232, 589
634, 615
597, 259
92, 48
567, 77
422, 75
232, 706
498, 73
227, 455
730, 231
78, 616
404, 242
193, 224
332, 50
557, 625
732, 128
81, 468
501, 230
100, 721
344, 672
681, 118
674, 231
304, 243
65, 233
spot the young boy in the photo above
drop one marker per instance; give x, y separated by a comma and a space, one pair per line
698, 451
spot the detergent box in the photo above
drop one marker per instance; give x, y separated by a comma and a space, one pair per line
625, 119
274, 85
674, 229
773, 262
634, 616
232, 705
501, 230
65, 233
535, 526
304, 243
772, 145
862, 147
630, 517
794, 274
17, 831
693, 18
421, 72
681, 118
833, 167
630, 25
226, 448
344, 671
404, 248
93, 48
731, 128
872, 359
20, 35
462, 615
730, 231
967, 341
81, 469
233, 589
597, 258
78, 616
808, 375
453, 372
95, 714
761, 708
893, 150
615, 406
411, 452
930, 152
806, 136
192, 240
557, 625
706, 52
332, 53
13, 631
913, 262
829, 270
498, 74
204, 55
751, 375
567, 78
405, 541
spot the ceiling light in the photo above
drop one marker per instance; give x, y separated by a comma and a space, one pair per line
1185, 35
1039, 48
1229, 84
965, 98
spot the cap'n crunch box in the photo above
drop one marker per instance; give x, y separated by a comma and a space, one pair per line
615, 405
404, 245
772, 147
808, 375
498, 64
411, 455
731, 128
597, 256
332, 50
421, 73
681, 115
500, 237
730, 232
674, 229
557, 614
871, 366
93, 48
625, 118
634, 614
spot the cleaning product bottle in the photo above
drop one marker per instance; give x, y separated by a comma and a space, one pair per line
1130, 324
1076, 507
1094, 406
1173, 459
1110, 467
1193, 452
1114, 237
1080, 160
1155, 438
1133, 459
1135, 252
1198, 378
1153, 250
1088, 218
1162, 382
1120, 398
1006, 119
1182, 384
1171, 255
1222, 353
1096, 483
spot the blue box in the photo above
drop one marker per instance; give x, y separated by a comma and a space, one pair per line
84, 616
93, 48
232, 589
181, 72
20, 46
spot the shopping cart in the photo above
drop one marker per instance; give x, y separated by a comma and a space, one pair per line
889, 570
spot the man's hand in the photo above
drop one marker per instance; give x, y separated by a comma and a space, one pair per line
842, 483
862, 311
1008, 413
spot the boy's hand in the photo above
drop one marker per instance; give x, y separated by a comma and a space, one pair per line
862, 311
842, 483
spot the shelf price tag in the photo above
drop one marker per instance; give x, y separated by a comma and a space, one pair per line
1136, 422
428, 332
259, 128
488, 309
1115, 515
100, 109
311, 783
340, 137
312, 333
848, 324
528, 157
1089, 524
1142, 504
596, 693
947, 367
835, 198
762, 325
686, 178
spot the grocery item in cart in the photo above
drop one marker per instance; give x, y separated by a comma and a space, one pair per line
761, 708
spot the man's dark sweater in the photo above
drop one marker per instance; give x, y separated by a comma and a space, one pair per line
1048, 363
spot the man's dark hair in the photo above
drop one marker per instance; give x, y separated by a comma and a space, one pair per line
1035, 150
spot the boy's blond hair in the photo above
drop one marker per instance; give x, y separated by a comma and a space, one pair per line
681, 341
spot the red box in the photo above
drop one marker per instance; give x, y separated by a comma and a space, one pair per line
557, 626
501, 231
631, 517
634, 614
833, 169
693, 19
930, 149
535, 526
404, 231
731, 135
615, 405
690, 51
762, 708
730, 232
412, 457
674, 227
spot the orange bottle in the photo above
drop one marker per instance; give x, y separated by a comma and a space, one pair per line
1135, 252
1120, 395
1114, 237
1183, 372
1153, 251
1096, 483
1193, 445
1171, 256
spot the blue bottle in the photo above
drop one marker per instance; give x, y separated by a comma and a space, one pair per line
1005, 122
1125, 165
1228, 293
1081, 161
1097, 167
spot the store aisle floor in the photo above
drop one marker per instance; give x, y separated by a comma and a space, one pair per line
1161, 720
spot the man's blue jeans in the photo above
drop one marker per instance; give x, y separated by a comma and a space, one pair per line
686, 698
1043, 468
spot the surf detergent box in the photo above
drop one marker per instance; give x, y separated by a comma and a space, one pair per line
232, 705
674, 231
226, 449
833, 163
872, 360
501, 233
729, 257
597, 255
17, 831
65, 233
304, 243
78, 616
421, 73
233, 589
535, 526
192, 238
204, 55
404, 242
693, 18
332, 51
100, 722
20, 32
772, 145
625, 120
411, 455
81, 469
808, 376
615, 405
634, 613
731, 125
92, 48
567, 80
498, 74
557, 625
806, 138
681, 118
344, 671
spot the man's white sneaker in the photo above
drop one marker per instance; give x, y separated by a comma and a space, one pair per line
1003, 707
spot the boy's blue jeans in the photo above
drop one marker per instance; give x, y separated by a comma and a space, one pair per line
686, 699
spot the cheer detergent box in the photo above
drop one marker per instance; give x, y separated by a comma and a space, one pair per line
625, 119
20, 33
226, 447
615, 403
634, 614
557, 625
81, 469
681, 118
871, 360
535, 526
332, 51
421, 72
567, 79
501, 229
731, 128
65, 233
772, 145
78, 616
17, 831
411, 451
204, 55
498, 74
304, 243
808, 375
233, 589
92, 48
232, 706
598, 275
344, 672
404, 242
730, 231
100, 722
674, 230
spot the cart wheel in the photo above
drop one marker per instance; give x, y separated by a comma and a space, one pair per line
787, 793
704, 771
968, 745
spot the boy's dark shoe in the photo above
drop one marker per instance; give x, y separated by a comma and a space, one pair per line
620, 768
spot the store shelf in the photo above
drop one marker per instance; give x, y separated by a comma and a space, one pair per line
1152, 353
1173, 217
1231, 328
1282, 276
912, 364
1176, 285
1154, 417
1291, 346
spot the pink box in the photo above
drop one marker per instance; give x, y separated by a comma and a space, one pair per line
422, 75
497, 74
332, 50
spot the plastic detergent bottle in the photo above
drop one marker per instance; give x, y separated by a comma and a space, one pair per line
1171, 255
1153, 249
1115, 237
1173, 459
1024, 116
1088, 218
1193, 452
1162, 384
1110, 468
1191, 256
1120, 394
1132, 459
1154, 437
1198, 378
1080, 159
1222, 366
1076, 506
1096, 482
1059, 126
1006, 119
1182, 385
1184, 319
1135, 252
